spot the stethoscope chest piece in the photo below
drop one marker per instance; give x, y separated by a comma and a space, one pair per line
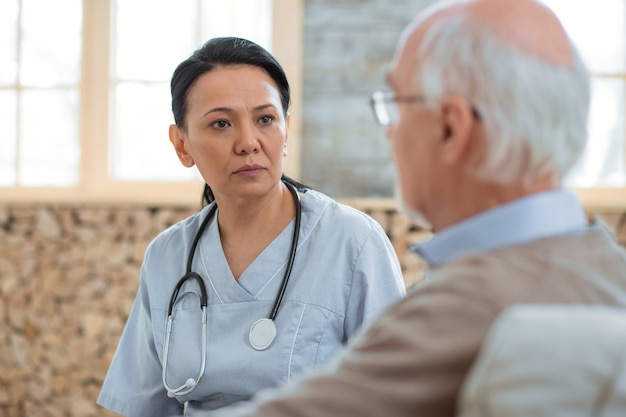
262, 333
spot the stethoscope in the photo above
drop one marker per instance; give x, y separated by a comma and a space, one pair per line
262, 332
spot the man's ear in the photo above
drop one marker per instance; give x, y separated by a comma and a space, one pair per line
177, 138
458, 129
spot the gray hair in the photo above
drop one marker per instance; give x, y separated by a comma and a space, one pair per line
534, 112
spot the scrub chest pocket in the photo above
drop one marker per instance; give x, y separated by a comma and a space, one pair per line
306, 335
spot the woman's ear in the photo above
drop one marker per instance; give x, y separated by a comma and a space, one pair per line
287, 123
177, 137
458, 128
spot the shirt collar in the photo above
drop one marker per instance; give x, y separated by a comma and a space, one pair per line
538, 216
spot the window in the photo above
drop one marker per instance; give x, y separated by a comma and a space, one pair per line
39, 89
84, 102
599, 31
85, 99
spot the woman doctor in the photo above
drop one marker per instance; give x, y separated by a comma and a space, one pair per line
269, 279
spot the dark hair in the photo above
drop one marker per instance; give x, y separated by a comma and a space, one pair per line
224, 52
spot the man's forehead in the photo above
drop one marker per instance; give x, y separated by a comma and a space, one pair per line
525, 25
405, 60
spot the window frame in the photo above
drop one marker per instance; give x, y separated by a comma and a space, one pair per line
603, 199
606, 199
95, 184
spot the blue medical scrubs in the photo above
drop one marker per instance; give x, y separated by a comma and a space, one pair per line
345, 273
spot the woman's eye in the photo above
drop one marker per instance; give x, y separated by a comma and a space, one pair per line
220, 124
266, 119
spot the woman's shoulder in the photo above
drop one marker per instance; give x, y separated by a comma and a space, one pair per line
178, 233
339, 215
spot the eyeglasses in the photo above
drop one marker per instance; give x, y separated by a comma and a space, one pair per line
385, 106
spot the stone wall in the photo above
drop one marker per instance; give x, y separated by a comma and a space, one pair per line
67, 280
348, 45
68, 277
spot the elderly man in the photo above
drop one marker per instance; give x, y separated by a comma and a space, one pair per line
487, 111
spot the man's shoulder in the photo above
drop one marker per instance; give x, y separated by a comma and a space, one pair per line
564, 267
595, 242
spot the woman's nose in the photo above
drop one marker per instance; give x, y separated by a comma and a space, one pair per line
247, 140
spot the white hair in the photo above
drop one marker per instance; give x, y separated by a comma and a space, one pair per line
534, 112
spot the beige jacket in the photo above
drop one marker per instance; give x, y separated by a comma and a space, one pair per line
573, 364
414, 359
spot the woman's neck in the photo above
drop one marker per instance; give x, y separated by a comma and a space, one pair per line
246, 229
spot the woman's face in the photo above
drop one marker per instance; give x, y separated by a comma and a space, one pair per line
236, 131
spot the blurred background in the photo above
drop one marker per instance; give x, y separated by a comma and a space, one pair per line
88, 176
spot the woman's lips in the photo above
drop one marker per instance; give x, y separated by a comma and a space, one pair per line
249, 170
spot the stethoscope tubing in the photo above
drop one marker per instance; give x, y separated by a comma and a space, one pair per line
292, 254
191, 383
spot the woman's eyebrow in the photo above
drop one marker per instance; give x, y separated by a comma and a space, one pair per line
230, 110
264, 106
218, 109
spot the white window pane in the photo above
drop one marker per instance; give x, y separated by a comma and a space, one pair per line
49, 147
144, 62
166, 38
8, 139
153, 53
249, 19
51, 42
598, 28
142, 150
8, 41
603, 162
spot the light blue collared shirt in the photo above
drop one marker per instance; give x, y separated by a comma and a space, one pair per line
538, 216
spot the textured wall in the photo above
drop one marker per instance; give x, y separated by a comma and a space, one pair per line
348, 45
67, 280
